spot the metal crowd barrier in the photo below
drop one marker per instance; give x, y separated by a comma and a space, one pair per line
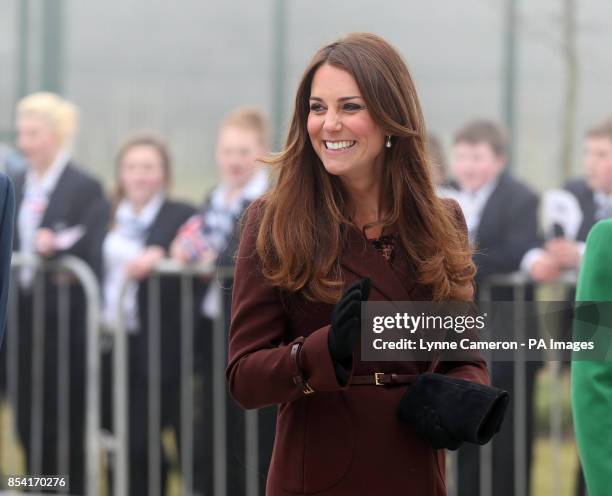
219, 421
82, 274
518, 282
116, 443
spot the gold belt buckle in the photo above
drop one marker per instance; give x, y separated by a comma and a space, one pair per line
307, 388
378, 378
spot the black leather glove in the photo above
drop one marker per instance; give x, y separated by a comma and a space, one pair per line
345, 327
448, 411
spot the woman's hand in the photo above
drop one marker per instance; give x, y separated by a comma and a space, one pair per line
545, 268
141, 267
208, 257
565, 252
45, 242
447, 411
345, 327
179, 253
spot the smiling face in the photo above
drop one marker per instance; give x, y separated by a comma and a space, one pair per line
598, 163
38, 141
141, 174
475, 164
238, 150
342, 132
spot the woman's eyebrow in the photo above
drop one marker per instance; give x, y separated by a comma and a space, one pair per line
341, 99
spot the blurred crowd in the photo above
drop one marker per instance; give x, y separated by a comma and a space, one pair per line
61, 209
123, 234
514, 229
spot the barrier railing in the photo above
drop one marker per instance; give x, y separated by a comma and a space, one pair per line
81, 274
219, 415
519, 283
116, 442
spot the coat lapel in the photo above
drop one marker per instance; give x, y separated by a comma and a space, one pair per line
55, 216
18, 182
155, 234
490, 218
363, 260
588, 213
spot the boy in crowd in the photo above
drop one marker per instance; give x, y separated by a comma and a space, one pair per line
594, 196
501, 215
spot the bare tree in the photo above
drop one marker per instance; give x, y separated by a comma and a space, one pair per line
570, 101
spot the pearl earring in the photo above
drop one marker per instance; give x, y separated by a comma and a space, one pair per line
388, 143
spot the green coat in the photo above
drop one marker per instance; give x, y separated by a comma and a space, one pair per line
592, 380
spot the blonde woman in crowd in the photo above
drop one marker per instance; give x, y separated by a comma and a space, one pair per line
60, 209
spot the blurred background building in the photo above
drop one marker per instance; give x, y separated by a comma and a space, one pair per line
178, 68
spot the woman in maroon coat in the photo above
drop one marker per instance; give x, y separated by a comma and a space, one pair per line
353, 216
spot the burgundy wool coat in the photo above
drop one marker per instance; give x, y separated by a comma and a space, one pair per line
337, 441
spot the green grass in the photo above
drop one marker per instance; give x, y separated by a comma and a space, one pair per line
12, 456
561, 483
12, 460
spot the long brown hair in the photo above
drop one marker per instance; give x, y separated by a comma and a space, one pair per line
300, 251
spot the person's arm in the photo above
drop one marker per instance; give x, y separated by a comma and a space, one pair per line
7, 219
261, 371
88, 228
521, 234
592, 380
189, 243
94, 216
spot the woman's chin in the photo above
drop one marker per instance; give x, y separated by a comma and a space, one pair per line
337, 169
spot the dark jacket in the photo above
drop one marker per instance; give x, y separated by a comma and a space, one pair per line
338, 441
508, 228
78, 199
7, 215
161, 233
165, 312
227, 256
586, 199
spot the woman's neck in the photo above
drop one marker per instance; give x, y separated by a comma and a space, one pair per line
364, 202
41, 168
138, 205
234, 190
232, 193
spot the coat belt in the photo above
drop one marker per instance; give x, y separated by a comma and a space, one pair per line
382, 379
